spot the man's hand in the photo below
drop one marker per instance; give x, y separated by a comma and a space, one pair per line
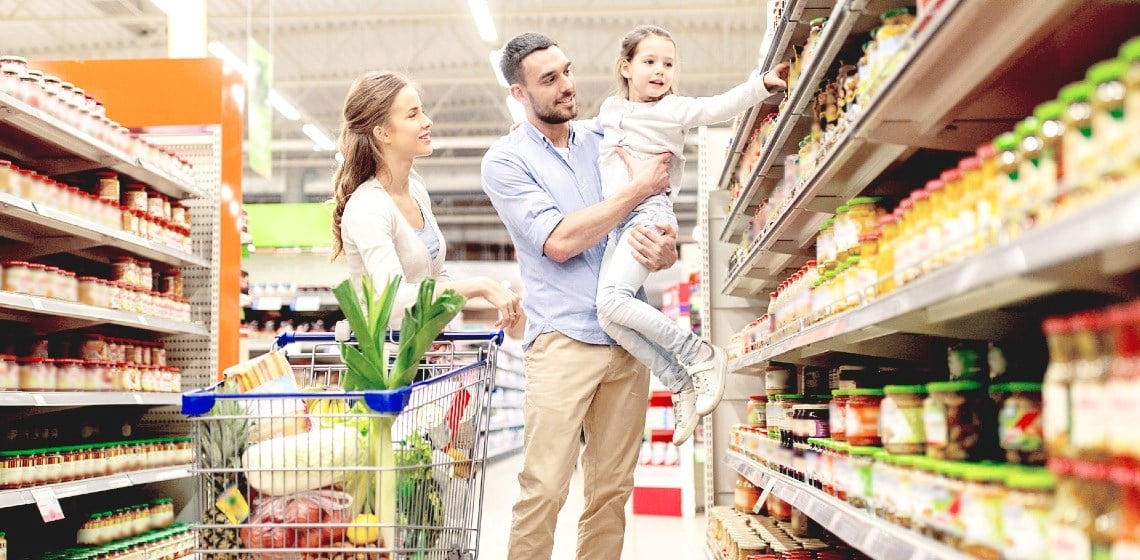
777, 78
653, 249
650, 176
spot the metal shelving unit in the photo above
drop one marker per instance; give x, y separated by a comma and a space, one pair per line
874, 537
24, 496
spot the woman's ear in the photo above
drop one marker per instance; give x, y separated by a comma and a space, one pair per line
380, 134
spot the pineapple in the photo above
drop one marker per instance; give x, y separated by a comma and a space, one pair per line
221, 442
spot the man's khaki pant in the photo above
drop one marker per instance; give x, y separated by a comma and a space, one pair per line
570, 386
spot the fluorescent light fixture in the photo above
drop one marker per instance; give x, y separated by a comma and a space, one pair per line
518, 112
496, 58
319, 137
232, 60
483, 21
283, 106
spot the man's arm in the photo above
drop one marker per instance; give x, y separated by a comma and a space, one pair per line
584, 228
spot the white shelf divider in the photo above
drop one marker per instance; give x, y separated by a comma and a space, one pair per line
23, 496
85, 398
32, 306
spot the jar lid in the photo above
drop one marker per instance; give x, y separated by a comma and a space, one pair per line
1107, 71
864, 200
1130, 51
1076, 92
830, 222
865, 392
904, 11
905, 389
810, 406
843, 209
852, 261
818, 21
1028, 126
787, 396
986, 472
840, 392
1030, 478
952, 469
935, 185
1020, 387
758, 397
864, 450
1090, 470
953, 386
1050, 111
1006, 142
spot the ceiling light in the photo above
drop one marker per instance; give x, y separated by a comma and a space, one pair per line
319, 137
496, 58
518, 112
233, 61
283, 106
483, 21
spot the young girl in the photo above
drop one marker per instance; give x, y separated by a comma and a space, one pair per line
649, 119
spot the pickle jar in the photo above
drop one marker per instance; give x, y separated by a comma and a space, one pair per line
1110, 133
901, 423
953, 420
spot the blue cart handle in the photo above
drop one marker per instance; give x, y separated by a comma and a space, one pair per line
285, 339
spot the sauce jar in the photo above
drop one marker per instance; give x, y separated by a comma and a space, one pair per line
862, 418
9, 373
746, 494
135, 197
108, 186
1019, 422
809, 421
17, 277
980, 510
1025, 512
952, 419
837, 413
757, 413
1056, 404
858, 487
1051, 115
901, 419
1080, 153
1130, 52
37, 374
70, 375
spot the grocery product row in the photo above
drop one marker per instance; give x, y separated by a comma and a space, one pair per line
33, 373
766, 533
50, 465
131, 292
57, 109
173, 542
123, 523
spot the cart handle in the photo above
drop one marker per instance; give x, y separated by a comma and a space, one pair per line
285, 339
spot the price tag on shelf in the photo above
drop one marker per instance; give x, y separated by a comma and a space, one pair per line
763, 499
138, 398
306, 303
143, 321
266, 304
37, 304
39, 399
48, 504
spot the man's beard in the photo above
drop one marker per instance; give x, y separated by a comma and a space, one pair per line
552, 115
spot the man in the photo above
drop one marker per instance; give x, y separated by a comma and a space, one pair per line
543, 179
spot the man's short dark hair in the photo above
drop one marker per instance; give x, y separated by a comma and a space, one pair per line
519, 48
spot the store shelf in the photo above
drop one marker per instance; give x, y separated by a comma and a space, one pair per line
875, 537
901, 118
48, 231
1081, 251
64, 315
23, 496
320, 301
41, 141
501, 453
80, 398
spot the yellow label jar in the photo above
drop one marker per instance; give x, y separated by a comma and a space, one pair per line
1110, 132
1080, 154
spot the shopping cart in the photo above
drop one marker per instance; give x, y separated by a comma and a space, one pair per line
302, 474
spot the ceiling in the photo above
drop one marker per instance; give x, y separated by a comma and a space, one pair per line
320, 46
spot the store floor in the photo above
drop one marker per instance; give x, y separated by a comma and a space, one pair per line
647, 536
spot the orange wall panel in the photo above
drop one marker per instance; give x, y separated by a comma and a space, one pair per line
181, 92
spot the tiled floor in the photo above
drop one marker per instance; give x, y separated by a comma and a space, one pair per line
647, 537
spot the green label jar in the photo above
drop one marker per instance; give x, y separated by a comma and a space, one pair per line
901, 420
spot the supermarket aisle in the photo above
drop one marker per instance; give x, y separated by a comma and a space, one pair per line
647, 537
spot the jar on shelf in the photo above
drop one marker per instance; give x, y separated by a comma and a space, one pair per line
757, 413
1019, 422
1025, 512
862, 460
1110, 133
953, 420
1130, 53
980, 510
862, 419
746, 494
9, 373
778, 379
37, 374
135, 197
1123, 380
1086, 512
70, 375
1056, 403
901, 419
809, 421
1080, 153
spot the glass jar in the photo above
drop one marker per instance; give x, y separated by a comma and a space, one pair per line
901, 419
1019, 422
826, 252
1088, 427
1084, 523
814, 34
1080, 153
70, 375
746, 494
757, 413
882, 485
1130, 52
1110, 133
859, 484
810, 421
837, 413
9, 373
862, 419
953, 420
1123, 381
786, 403
135, 197
1025, 512
885, 261
980, 510
1051, 175
1056, 402
37, 374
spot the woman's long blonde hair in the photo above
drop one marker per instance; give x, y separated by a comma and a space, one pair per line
367, 106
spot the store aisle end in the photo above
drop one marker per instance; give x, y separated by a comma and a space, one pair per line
646, 537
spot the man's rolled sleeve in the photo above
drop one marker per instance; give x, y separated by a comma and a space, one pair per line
526, 209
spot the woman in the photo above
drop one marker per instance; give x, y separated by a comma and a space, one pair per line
383, 222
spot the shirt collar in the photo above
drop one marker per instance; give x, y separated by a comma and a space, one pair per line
537, 136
